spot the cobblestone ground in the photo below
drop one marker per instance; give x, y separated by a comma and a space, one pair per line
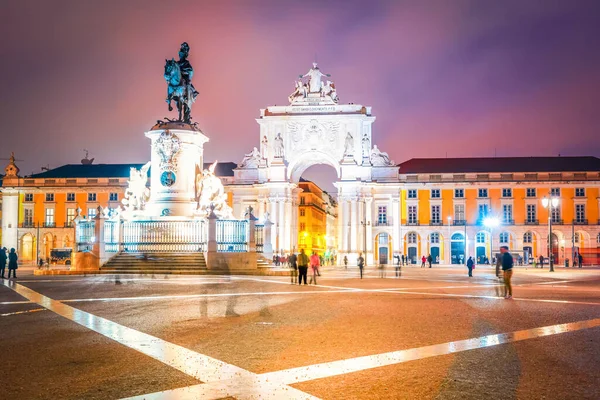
428, 334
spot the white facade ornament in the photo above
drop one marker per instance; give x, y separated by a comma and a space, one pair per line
349, 145
328, 90
251, 160
264, 148
278, 146
300, 92
167, 146
380, 158
137, 193
211, 194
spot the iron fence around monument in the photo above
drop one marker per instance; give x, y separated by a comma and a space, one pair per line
111, 236
259, 231
232, 236
84, 235
164, 236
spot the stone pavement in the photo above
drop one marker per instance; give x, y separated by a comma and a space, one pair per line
432, 333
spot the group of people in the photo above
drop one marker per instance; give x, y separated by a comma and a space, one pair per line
504, 263
12, 262
299, 265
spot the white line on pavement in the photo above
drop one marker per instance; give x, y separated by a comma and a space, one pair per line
199, 366
22, 312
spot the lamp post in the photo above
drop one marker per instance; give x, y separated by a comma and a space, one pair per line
491, 223
448, 240
550, 204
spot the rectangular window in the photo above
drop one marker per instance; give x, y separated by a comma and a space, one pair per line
483, 211
483, 193
412, 214
555, 214
555, 192
302, 226
507, 213
459, 193
302, 212
49, 221
507, 192
70, 196
302, 200
91, 213
382, 215
435, 215
579, 192
531, 213
28, 196
459, 213
412, 193
580, 213
435, 193
531, 192
113, 197
28, 217
91, 196
49, 196
70, 216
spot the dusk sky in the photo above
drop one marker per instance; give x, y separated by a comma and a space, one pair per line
456, 77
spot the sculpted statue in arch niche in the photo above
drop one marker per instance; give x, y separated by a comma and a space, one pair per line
278, 146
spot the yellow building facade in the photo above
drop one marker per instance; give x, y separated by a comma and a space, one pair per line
317, 219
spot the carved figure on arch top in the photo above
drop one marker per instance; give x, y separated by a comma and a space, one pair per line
137, 193
211, 194
278, 146
328, 90
252, 159
380, 158
314, 76
300, 91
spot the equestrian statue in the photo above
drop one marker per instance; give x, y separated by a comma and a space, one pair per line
178, 75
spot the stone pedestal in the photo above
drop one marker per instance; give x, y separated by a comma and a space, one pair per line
177, 157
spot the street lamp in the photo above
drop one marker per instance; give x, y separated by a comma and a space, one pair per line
491, 223
550, 204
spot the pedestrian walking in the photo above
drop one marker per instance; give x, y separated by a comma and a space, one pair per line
542, 262
315, 263
346, 262
534, 263
12, 263
398, 267
403, 259
381, 269
302, 267
470, 266
292, 262
361, 264
423, 261
580, 258
507, 268
429, 260
3, 259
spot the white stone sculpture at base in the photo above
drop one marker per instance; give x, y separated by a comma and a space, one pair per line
137, 193
211, 194
264, 148
328, 90
252, 159
366, 147
300, 91
380, 158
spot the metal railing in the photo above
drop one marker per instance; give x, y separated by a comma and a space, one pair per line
259, 237
383, 223
232, 236
532, 222
580, 222
164, 236
111, 236
413, 222
84, 235
459, 222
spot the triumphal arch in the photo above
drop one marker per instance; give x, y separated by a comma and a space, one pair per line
316, 129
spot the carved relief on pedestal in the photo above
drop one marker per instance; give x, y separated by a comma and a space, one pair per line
167, 146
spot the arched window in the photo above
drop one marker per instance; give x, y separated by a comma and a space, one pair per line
527, 237
412, 237
434, 238
504, 237
458, 237
480, 237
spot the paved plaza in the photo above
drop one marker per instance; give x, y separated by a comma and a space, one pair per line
430, 334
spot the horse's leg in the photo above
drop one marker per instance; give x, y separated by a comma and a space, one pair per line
179, 107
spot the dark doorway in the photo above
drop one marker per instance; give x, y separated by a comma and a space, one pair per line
412, 255
435, 254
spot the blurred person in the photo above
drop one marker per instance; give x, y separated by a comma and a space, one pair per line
346, 262
302, 267
292, 262
3, 259
429, 260
315, 263
470, 266
361, 264
12, 263
423, 261
507, 268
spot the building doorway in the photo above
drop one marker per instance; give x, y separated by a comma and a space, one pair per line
457, 248
383, 240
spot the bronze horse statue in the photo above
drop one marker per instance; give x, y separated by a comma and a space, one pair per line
178, 90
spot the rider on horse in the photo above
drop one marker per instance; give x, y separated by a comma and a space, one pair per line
187, 72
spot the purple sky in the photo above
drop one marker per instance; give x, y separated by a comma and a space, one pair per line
462, 77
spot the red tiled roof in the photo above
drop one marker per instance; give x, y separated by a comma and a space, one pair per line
500, 165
